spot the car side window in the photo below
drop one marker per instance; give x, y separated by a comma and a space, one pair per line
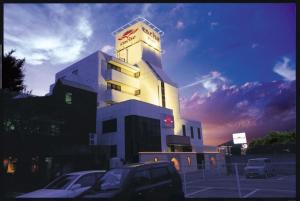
141, 178
160, 174
87, 180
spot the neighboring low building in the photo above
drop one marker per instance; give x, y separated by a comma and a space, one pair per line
44, 135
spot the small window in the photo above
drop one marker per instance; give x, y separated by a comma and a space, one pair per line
113, 86
136, 75
109, 126
160, 174
183, 130
137, 92
199, 133
189, 161
192, 132
68, 98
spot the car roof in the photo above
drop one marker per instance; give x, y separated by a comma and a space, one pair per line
144, 164
86, 172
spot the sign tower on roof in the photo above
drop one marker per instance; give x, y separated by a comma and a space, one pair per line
139, 40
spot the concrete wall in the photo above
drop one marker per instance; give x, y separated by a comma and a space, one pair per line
185, 164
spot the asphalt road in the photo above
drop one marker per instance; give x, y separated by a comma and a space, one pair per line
226, 186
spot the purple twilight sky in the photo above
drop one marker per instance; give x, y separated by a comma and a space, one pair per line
234, 63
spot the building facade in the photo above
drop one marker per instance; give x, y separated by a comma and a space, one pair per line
137, 103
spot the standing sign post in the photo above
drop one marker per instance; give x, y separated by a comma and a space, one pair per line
240, 138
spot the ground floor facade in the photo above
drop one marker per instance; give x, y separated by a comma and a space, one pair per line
134, 126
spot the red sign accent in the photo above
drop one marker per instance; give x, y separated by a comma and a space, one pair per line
127, 34
168, 121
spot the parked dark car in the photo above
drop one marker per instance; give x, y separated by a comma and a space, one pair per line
259, 167
139, 182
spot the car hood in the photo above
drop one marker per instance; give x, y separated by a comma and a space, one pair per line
46, 193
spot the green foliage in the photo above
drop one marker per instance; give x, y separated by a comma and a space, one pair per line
274, 138
13, 71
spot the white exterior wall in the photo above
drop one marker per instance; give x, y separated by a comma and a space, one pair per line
197, 144
172, 102
120, 111
87, 69
149, 85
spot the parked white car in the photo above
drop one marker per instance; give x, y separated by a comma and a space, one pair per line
259, 167
67, 186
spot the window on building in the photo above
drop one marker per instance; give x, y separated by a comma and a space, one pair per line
163, 98
192, 132
109, 126
68, 98
113, 150
111, 66
113, 86
189, 161
136, 75
137, 92
199, 133
75, 72
92, 139
183, 130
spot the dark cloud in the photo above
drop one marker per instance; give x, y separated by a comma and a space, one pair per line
255, 108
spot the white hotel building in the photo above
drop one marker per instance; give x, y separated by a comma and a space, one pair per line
138, 112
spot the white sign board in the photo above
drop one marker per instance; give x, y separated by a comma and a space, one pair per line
239, 138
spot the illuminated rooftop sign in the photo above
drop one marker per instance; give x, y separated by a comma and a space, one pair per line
239, 138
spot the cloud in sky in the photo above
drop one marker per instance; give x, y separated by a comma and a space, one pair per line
211, 82
59, 41
253, 107
209, 13
107, 49
179, 25
283, 69
254, 45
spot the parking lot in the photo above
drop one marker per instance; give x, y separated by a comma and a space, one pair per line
198, 186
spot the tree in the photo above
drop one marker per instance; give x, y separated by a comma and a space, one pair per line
13, 76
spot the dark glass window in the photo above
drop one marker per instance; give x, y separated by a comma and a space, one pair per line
183, 130
109, 126
192, 132
113, 150
163, 98
199, 133
111, 66
159, 174
141, 134
113, 86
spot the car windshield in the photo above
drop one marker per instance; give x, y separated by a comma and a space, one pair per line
113, 179
61, 182
256, 163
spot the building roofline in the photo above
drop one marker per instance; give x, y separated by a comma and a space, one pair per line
138, 19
